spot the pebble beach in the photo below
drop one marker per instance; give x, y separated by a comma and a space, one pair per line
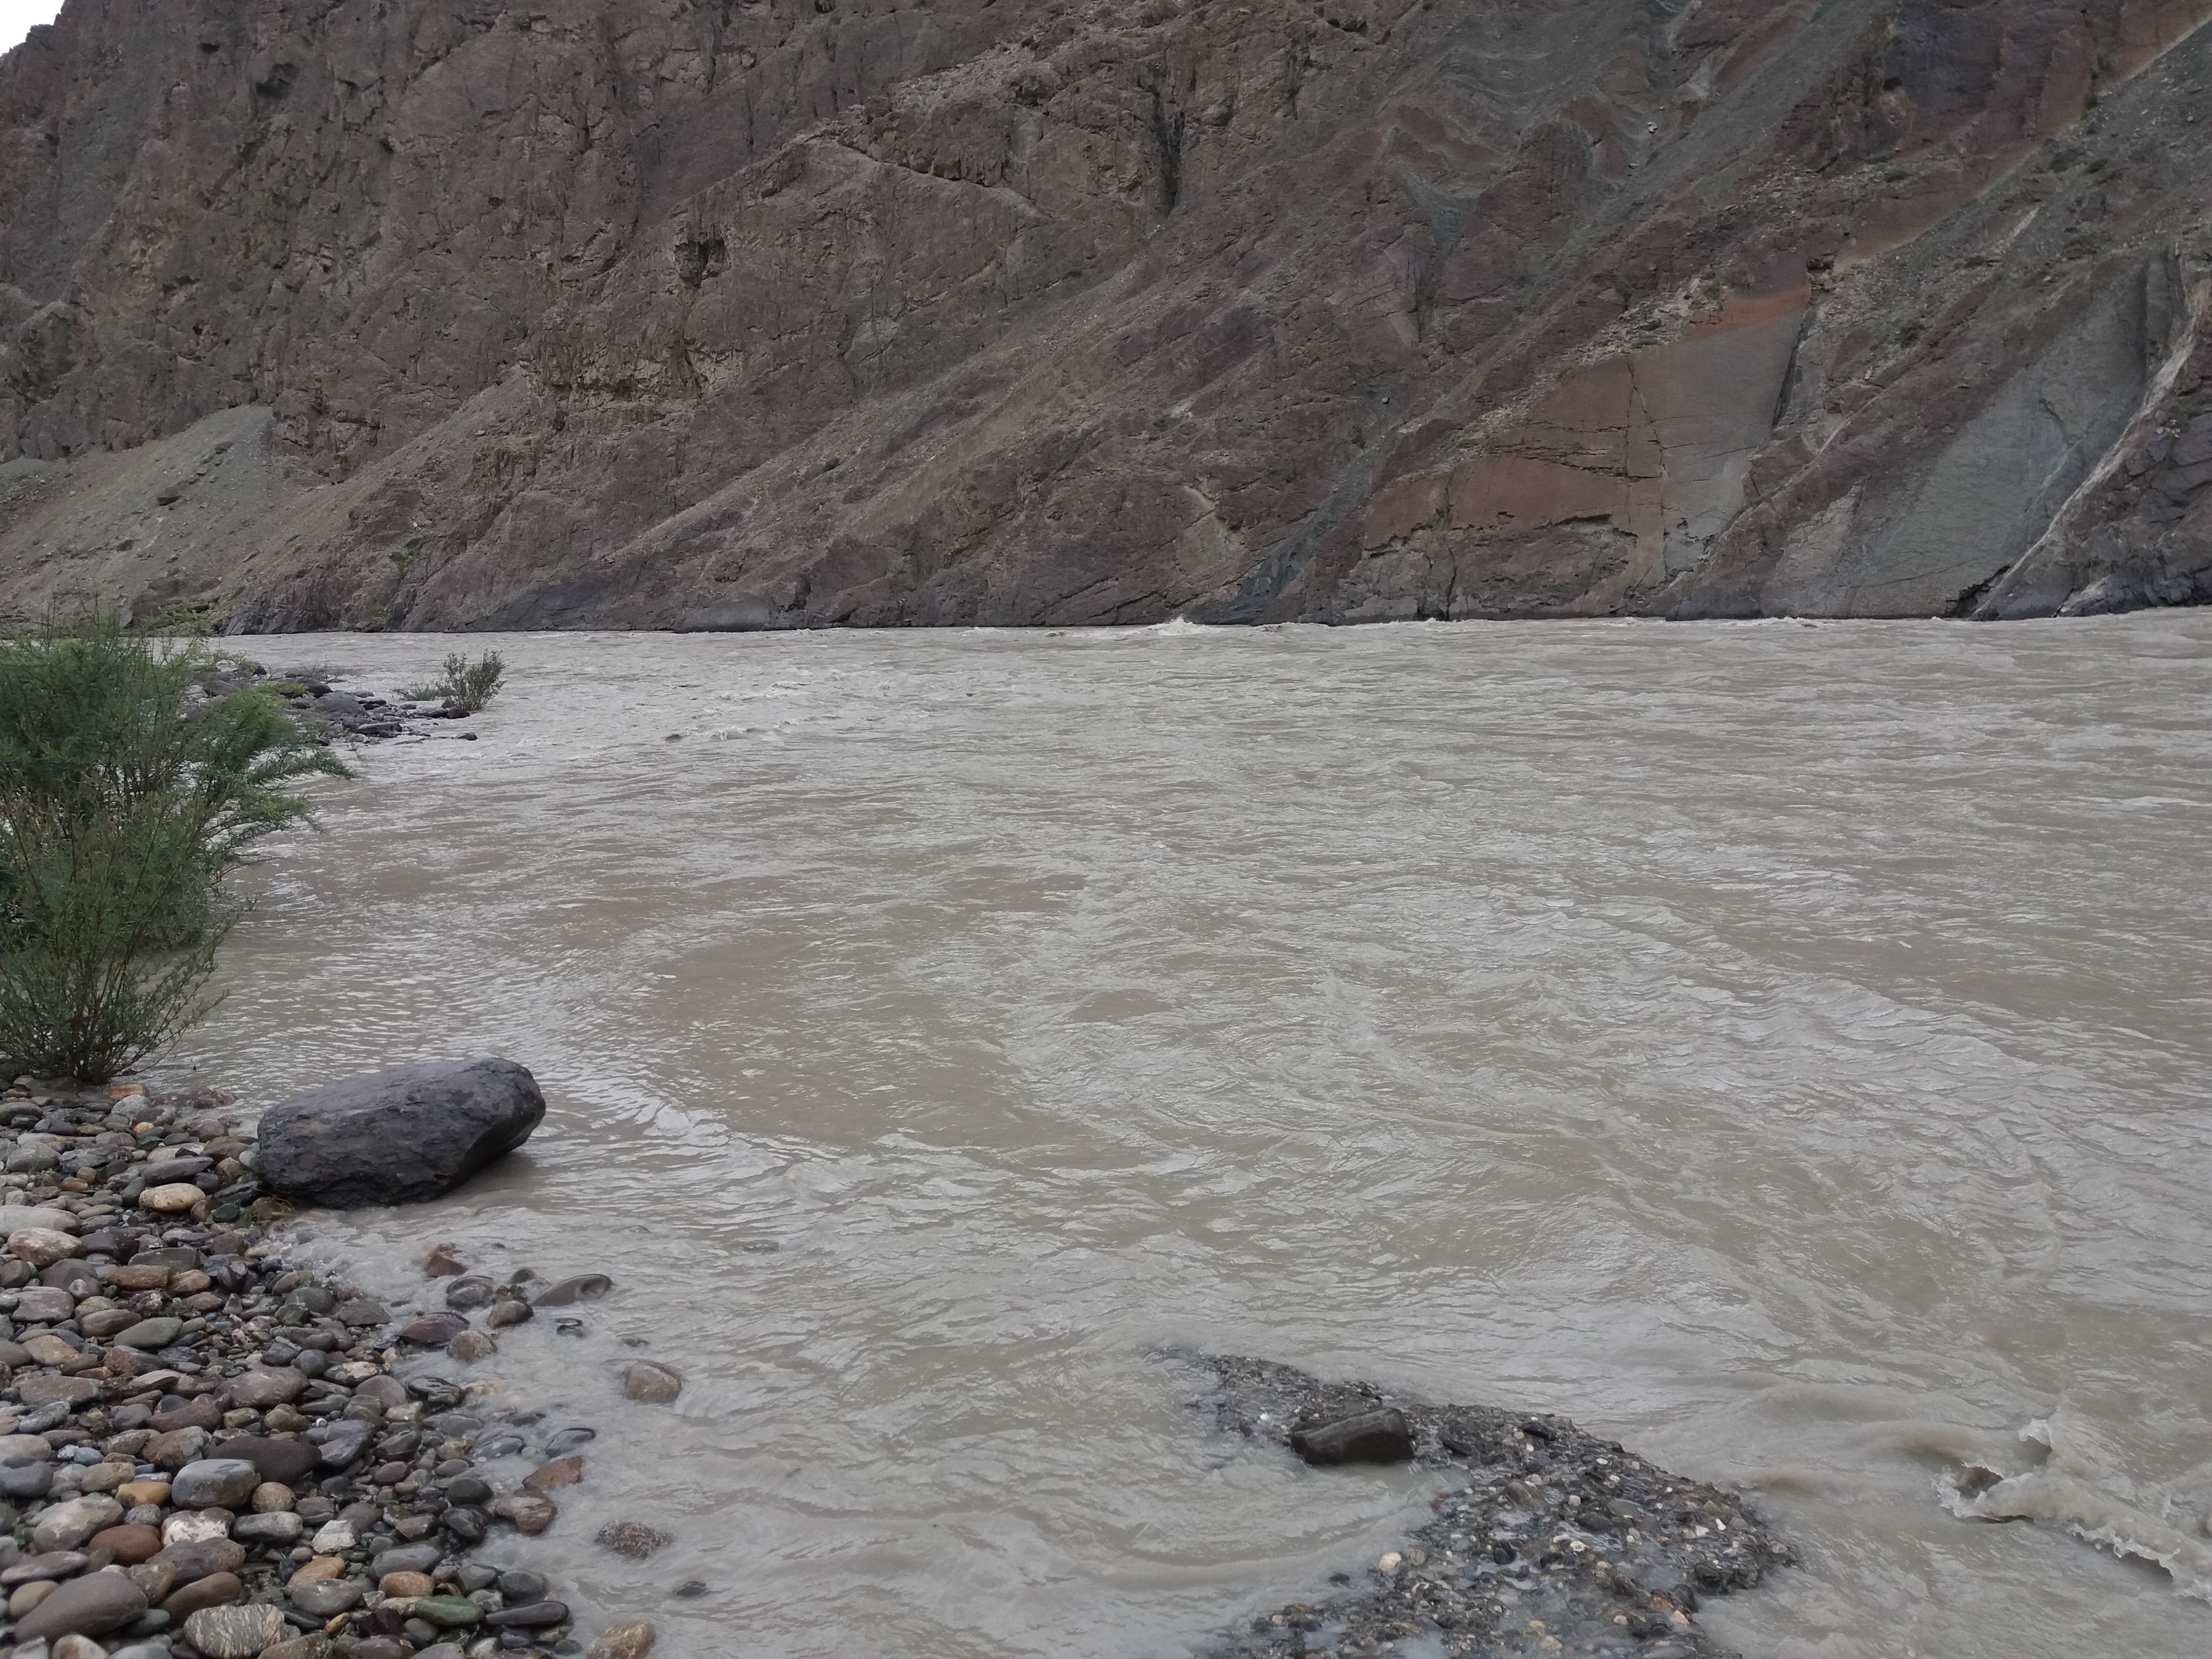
206, 1450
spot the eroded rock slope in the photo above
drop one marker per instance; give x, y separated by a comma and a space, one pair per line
785, 312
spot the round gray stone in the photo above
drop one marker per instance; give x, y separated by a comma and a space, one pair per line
225, 1483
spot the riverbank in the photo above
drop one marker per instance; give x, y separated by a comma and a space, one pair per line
209, 1451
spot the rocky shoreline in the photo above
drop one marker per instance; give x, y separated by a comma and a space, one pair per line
1548, 1541
208, 1453
328, 708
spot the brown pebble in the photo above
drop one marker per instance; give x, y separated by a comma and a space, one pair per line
154, 1579
214, 1590
561, 1472
130, 1544
313, 1571
24, 1597
407, 1583
132, 1493
434, 1329
529, 1511
630, 1639
443, 1263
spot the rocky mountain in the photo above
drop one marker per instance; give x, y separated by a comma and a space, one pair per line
762, 313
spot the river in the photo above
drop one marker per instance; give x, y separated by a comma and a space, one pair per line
1783, 1048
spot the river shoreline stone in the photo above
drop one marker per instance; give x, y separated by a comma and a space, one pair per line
234, 1466
1548, 1539
398, 1136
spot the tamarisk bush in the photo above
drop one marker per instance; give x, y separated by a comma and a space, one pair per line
124, 804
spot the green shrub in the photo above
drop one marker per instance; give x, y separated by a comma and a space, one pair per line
122, 807
466, 685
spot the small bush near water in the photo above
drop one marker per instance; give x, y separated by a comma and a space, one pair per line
466, 685
122, 807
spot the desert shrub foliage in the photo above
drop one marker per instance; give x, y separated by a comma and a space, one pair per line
125, 803
464, 684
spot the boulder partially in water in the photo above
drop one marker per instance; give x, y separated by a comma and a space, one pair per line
397, 1136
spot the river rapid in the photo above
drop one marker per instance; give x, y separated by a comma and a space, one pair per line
1783, 1047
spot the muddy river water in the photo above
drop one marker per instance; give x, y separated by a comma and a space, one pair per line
1785, 1048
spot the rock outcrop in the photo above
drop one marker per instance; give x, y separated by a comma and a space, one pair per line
772, 313
398, 1136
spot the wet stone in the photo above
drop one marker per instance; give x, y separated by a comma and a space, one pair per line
631, 1639
632, 1538
467, 1524
1369, 1437
651, 1383
469, 1292
531, 1615
443, 1262
529, 1511
435, 1330
583, 1287
561, 1472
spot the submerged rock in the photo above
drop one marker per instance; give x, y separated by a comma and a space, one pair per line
1549, 1539
398, 1136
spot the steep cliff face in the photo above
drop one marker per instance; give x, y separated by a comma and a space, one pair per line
789, 312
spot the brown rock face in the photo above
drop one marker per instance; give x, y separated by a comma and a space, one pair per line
787, 312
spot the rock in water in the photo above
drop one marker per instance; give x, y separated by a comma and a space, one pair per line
651, 1382
398, 1136
631, 1639
1370, 1437
632, 1538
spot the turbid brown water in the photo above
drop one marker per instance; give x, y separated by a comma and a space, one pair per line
1783, 1049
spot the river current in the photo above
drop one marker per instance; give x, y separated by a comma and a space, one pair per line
1785, 1048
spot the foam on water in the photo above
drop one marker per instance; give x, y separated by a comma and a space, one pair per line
2063, 1491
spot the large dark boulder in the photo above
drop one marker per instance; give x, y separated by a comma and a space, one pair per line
398, 1136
